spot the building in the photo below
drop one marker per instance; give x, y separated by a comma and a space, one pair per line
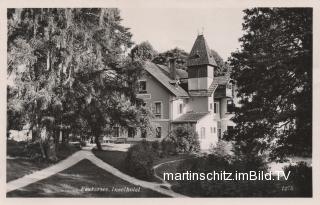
188, 98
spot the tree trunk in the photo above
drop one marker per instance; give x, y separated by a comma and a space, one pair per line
47, 145
51, 149
97, 141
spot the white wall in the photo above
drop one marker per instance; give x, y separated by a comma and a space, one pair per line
199, 83
211, 138
198, 104
174, 108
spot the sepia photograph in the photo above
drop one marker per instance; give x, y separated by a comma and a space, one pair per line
135, 102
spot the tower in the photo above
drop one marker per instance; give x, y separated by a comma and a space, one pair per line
200, 65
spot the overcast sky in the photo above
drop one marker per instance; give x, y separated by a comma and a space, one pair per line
167, 28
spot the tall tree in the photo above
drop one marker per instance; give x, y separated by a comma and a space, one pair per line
143, 51
222, 66
273, 73
69, 69
182, 56
164, 57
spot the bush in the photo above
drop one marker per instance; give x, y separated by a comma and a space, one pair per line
16, 149
220, 188
222, 149
301, 178
168, 148
140, 158
182, 140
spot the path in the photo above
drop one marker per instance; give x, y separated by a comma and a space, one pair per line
167, 184
74, 159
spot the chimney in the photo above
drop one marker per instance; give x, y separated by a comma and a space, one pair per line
172, 68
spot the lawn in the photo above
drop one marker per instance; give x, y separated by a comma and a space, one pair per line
117, 159
170, 167
79, 181
19, 165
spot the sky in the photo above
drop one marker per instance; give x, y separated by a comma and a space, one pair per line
167, 28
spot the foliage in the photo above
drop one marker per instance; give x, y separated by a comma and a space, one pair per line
139, 160
181, 57
221, 149
184, 139
168, 148
177, 53
143, 51
276, 107
68, 67
222, 66
301, 178
240, 188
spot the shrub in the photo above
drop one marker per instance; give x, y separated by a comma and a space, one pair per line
220, 188
301, 178
168, 148
139, 160
222, 149
183, 139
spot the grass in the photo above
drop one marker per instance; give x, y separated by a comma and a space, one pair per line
117, 159
17, 168
170, 167
114, 158
19, 164
70, 183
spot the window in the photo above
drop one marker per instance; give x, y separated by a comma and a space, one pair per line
229, 128
192, 72
116, 132
142, 86
211, 129
158, 110
203, 132
202, 72
158, 132
216, 107
229, 106
131, 132
210, 106
214, 130
196, 72
180, 108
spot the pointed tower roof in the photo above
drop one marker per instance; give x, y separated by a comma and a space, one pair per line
200, 53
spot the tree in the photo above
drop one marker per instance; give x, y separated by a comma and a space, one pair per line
184, 139
69, 70
180, 55
222, 66
143, 51
273, 73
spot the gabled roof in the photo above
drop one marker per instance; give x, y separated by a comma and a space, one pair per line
190, 117
165, 80
200, 53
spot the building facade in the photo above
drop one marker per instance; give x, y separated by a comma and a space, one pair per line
187, 98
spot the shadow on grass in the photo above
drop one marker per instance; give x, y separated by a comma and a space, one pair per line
83, 180
20, 164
